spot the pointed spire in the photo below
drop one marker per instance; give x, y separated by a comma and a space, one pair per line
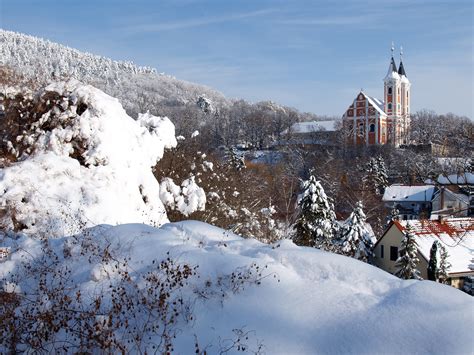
392, 69
401, 69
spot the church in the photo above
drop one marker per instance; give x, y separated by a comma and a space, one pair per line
370, 121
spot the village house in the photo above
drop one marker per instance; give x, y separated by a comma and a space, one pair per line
411, 201
312, 133
449, 203
370, 121
455, 234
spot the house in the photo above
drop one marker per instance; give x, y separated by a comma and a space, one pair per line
411, 201
462, 184
370, 121
449, 203
455, 234
312, 133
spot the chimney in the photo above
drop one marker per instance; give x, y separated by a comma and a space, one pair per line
442, 197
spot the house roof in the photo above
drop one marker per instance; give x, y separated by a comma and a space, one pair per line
311, 126
404, 193
461, 197
455, 234
457, 179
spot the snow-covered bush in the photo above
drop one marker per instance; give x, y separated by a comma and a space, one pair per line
78, 160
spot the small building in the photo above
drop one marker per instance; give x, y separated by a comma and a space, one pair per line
411, 201
312, 133
449, 203
455, 234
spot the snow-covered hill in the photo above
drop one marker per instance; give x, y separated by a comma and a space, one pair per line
82, 174
135, 86
242, 294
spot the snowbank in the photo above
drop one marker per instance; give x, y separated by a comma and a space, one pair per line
92, 168
303, 301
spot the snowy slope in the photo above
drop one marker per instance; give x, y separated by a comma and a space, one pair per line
307, 302
41, 59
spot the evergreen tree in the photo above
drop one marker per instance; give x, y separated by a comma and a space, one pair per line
376, 176
408, 260
234, 160
433, 263
357, 240
444, 264
382, 175
315, 225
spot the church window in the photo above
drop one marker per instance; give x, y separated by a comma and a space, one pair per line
390, 90
389, 106
372, 127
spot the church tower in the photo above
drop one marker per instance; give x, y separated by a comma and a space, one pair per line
405, 100
392, 101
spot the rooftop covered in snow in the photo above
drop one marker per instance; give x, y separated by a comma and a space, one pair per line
455, 234
311, 126
397, 193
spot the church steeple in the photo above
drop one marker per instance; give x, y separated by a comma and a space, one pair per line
392, 73
401, 69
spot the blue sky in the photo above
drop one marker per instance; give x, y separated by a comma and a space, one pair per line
312, 55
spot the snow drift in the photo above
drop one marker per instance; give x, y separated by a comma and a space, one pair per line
242, 294
93, 166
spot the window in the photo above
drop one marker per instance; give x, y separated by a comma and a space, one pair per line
389, 106
390, 91
372, 128
393, 253
381, 251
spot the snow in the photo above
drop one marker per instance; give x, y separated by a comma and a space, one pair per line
308, 301
457, 236
376, 103
51, 192
312, 126
457, 179
408, 193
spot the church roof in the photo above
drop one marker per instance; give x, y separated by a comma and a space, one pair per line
401, 69
376, 103
392, 71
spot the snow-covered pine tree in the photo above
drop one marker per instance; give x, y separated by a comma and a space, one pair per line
234, 160
394, 214
356, 238
376, 176
433, 263
468, 285
315, 225
381, 176
408, 260
444, 264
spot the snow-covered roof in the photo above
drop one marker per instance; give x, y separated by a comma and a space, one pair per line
457, 179
420, 193
461, 197
455, 234
376, 103
311, 126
